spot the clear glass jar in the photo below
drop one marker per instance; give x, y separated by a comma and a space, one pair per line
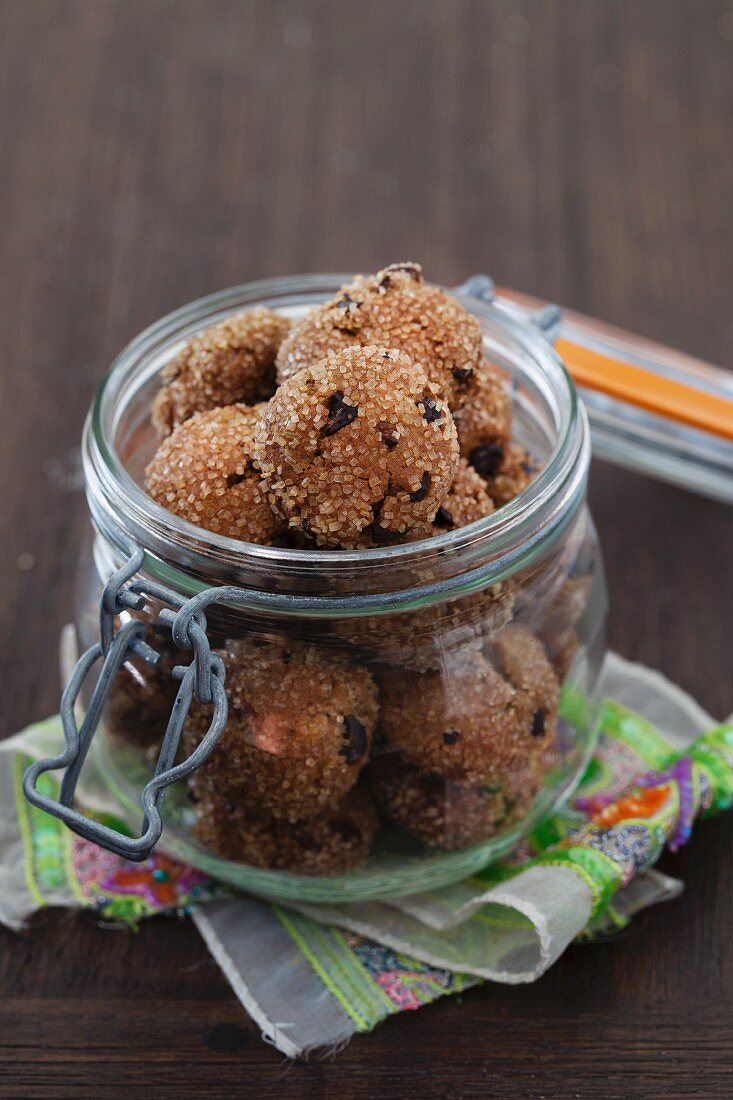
459, 672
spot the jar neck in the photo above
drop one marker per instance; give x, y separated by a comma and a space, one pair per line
188, 559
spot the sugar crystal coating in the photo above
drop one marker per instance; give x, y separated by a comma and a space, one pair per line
466, 501
515, 471
397, 309
334, 840
299, 730
434, 636
485, 422
357, 450
230, 363
441, 812
522, 660
205, 472
474, 727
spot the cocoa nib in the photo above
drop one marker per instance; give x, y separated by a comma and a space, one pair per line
355, 740
388, 434
487, 458
305, 840
340, 414
345, 829
413, 270
432, 411
451, 736
538, 723
383, 536
462, 375
235, 479
421, 493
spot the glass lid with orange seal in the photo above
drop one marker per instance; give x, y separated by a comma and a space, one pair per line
652, 409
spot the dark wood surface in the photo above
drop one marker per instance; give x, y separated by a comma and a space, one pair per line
153, 151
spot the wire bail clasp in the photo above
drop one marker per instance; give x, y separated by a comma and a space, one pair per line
203, 678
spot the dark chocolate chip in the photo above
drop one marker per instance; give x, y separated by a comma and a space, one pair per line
388, 434
305, 840
377, 508
235, 479
422, 492
432, 411
383, 536
451, 736
463, 375
349, 309
443, 518
345, 829
538, 723
413, 270
340, 414
487, 458
432, 783
356, 741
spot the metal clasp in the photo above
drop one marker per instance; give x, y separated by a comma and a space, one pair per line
203, 678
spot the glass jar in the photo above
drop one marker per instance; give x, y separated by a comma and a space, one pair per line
398, 717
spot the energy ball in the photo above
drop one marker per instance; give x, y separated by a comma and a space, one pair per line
466, 501
358, 450
205, 472
471, 727
230, 363
558, 627
142, 696
398, 309
516, 470
522, 659
441, 813
299, 730
432, 637
335, 840
485, 422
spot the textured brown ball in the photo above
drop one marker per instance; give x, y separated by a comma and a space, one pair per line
466, 501
433, 637
471, 727
516, 470
441, 813
485, 422
226, 364
522, 659
335, 840
397, 309
357, 450
299, 730
558, 626
142, 696
204, 472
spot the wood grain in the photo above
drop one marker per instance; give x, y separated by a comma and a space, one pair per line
580, 150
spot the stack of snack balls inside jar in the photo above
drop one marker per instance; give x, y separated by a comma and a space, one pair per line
372, 421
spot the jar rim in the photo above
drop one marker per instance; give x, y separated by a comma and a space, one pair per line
181, 554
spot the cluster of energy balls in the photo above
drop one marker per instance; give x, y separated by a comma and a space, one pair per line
374, 420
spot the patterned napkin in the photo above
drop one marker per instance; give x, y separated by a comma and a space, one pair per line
312, 976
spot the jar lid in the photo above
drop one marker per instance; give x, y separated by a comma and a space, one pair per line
623, 433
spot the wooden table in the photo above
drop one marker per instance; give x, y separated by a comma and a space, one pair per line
153, 151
